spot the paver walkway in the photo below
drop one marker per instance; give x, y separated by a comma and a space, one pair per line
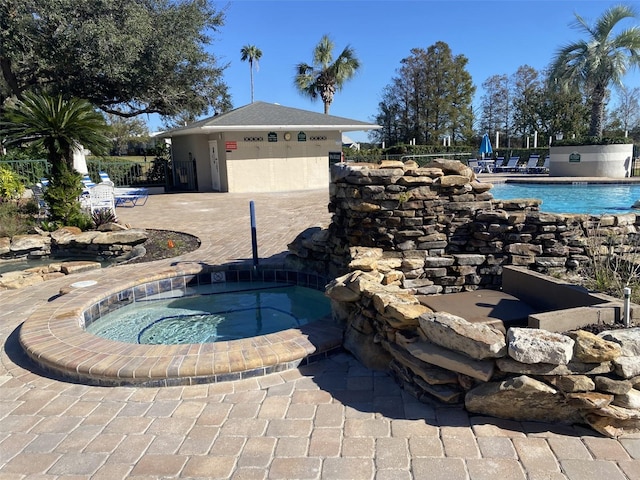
330, 420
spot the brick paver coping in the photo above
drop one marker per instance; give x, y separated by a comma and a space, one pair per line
54, 336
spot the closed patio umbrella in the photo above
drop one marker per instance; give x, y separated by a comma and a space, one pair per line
485, 145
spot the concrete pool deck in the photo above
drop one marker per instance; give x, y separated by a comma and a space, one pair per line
329, 420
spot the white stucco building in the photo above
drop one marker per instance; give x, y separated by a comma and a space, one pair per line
261, 147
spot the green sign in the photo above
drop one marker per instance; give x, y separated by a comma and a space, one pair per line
272, 137
574, 157
302, 137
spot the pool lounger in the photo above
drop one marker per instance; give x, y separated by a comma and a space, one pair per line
130, 196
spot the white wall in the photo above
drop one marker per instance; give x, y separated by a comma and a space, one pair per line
258, 165
612, 161
253, 164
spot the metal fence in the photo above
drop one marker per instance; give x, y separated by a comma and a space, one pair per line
29, 171
154, 173
635, 167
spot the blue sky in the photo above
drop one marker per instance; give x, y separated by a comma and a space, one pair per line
497, 37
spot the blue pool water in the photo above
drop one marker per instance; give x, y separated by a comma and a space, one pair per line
579, 198
211, 313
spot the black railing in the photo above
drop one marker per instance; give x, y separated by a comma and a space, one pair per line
152, 173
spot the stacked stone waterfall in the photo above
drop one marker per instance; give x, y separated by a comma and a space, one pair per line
399, 230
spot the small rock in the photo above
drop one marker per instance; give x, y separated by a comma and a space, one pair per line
627, 367
403, 315
608, 385
590, 348
572, 383
631, 399
589, 400
612, 427
628, 339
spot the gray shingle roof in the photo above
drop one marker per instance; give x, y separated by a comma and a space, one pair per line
262, 115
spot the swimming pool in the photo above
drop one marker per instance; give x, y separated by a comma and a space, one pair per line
593, 199
212, 313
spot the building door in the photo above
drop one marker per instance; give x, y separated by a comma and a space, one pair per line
215, 166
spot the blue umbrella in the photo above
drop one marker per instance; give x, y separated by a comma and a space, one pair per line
485, 145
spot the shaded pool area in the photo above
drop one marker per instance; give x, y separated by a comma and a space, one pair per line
56, 340
576, 197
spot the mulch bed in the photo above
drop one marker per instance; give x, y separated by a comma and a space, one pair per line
163, 244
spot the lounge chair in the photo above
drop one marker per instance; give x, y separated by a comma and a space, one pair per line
511, 166
499, 163
38, 196
531, 165
87, 182
102, 196
545, 166
104, 177
474, 165
124, 196
487, 165
131, 196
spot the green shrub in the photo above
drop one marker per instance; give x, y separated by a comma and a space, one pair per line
62, 196
615, 263
11, 187
81, 220
103, 216
12, 222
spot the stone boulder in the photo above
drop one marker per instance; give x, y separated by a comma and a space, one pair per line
613, 426
609, 385
21, 243
477, 340
447, 359
529, 345
453, 168
627, 338
627, 367
590, 348
131, 236
572, 383
338, 289
521, 398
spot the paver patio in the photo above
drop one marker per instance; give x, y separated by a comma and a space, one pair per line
329, 420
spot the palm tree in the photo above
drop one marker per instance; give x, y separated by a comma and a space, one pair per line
60, 126
325, 76
252, 54
599, 61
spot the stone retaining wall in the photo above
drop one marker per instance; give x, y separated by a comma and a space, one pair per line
444, 231
399, 230
117, 244
115, 241
525, 374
